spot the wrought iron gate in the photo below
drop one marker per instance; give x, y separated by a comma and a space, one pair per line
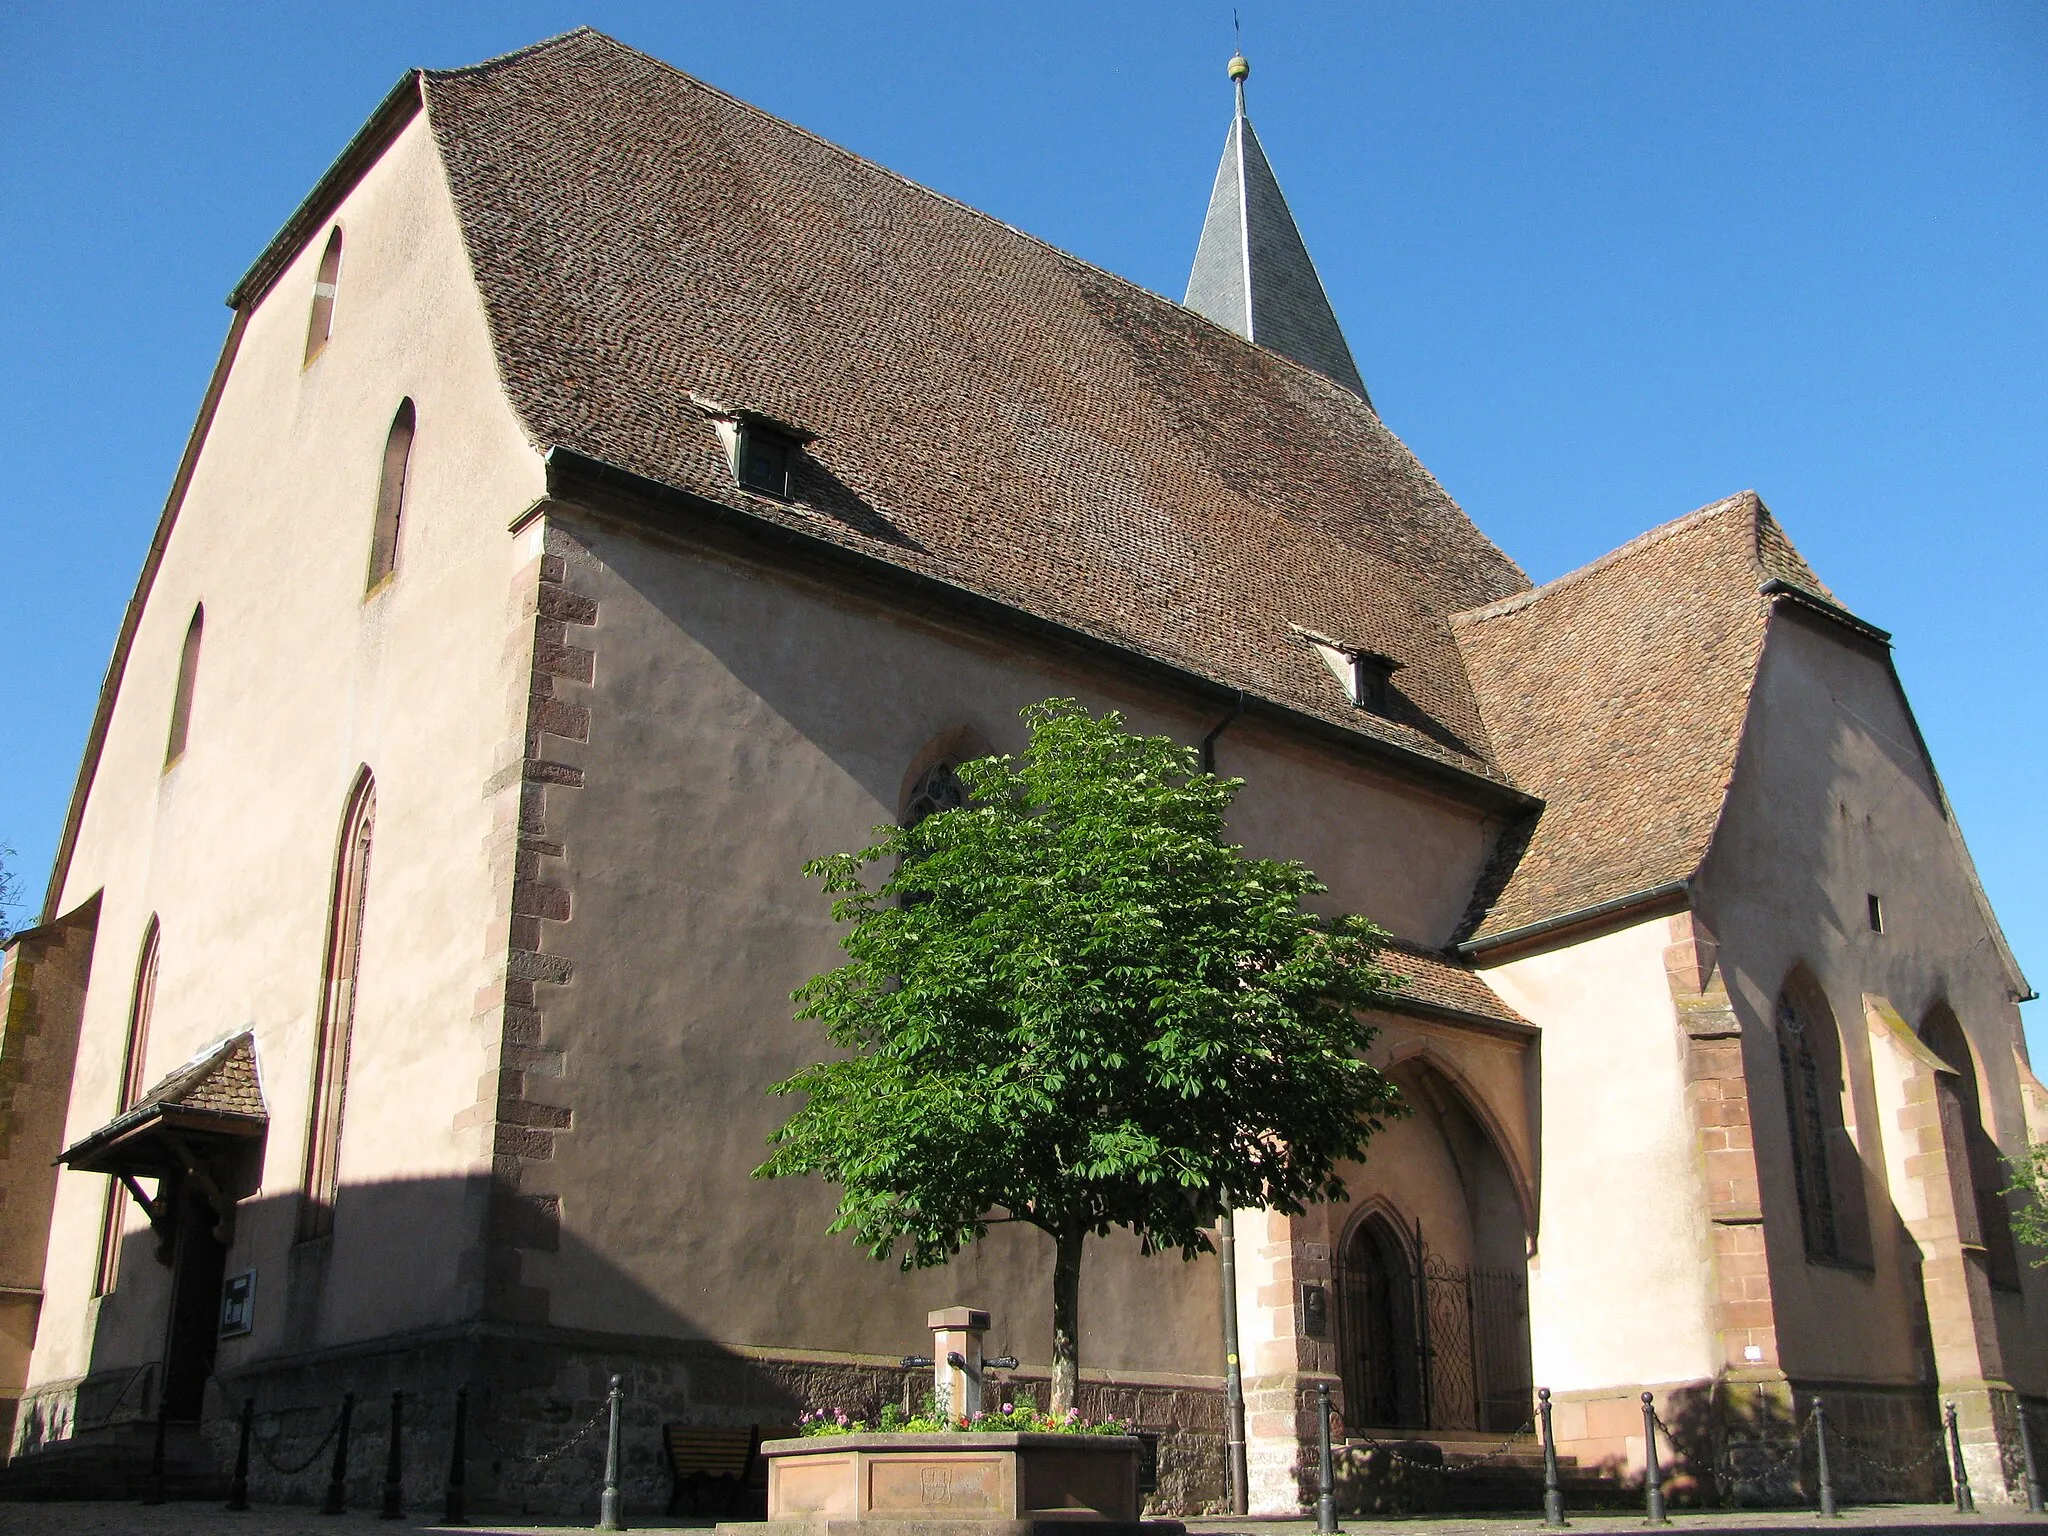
1429, 1345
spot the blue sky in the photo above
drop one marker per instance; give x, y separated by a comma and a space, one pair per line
1600, 264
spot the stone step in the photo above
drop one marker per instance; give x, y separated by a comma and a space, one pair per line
114, 1463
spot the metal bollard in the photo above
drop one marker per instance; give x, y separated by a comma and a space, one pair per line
394, 1464
452, 1510
1326, 1473
337, 1481
1820, 1444
238, 1486
1958, 1473
1653, 1475
156, 1451
608, 1506
2034, 1504
1553, 1491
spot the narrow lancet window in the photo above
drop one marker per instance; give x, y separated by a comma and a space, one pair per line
391, 496
1803, 1108
320, 323
337, 1012
188, 678
134, 1075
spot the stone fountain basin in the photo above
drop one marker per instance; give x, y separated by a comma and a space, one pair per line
1007, 1484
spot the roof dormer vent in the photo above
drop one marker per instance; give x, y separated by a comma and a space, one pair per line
762, 451
1365, 676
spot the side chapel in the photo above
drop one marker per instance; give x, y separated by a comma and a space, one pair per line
610, 496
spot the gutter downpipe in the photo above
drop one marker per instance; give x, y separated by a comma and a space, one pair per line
1226, 1251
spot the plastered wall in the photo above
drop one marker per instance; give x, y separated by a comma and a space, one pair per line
1833, 801
302, 681
1620, 1283
742, 722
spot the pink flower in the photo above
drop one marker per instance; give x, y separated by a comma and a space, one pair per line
1008, 1409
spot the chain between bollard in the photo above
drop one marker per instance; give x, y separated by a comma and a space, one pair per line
544, 1457
293, 1471
1472, 1464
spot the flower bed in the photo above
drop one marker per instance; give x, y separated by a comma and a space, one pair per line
1020, 1417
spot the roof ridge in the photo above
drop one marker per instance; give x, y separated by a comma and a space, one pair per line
1082, 262
498, 60
1615, 556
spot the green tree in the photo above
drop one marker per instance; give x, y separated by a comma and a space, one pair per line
1071, 1003
2030, 1203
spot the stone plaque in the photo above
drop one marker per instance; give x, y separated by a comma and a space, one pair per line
957, 1485
813, 1485
1315, 1312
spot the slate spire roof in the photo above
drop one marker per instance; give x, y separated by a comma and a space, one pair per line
1252, 272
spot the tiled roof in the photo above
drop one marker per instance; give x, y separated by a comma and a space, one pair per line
220, 1081
1618, 693
1438, 981
990, 412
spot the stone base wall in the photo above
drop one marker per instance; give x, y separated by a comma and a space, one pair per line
536, 1412
1750, 1442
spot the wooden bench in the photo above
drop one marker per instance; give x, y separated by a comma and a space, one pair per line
719, 1469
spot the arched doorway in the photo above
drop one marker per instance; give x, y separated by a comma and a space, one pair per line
1380, 1345
1433, 1303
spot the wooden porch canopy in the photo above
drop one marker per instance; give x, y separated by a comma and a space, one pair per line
180, 1129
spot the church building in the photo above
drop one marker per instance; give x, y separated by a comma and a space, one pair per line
608, 498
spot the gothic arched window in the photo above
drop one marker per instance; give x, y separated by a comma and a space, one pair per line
1810, 1172
320, 323
937, 789
134, 1076
188, 680
391, 495
337, 1011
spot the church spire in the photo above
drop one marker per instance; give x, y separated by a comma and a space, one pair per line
1252, 273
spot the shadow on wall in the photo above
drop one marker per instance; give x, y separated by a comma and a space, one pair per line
536, 1394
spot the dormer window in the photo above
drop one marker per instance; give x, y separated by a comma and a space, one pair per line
1365, 676
765, 455
763, 452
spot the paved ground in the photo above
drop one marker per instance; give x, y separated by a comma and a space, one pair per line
210, 1519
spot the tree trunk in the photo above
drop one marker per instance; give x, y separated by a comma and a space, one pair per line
1066, 1321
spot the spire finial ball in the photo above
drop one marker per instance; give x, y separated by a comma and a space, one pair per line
1240, 66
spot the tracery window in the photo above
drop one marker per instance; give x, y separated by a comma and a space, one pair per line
337, 1012
134, 1076
937, 789
1804, 1108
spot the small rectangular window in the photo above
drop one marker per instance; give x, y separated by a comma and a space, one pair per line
764, 457
1876, 914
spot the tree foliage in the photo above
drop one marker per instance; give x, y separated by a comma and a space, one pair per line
1072, 1003
2030, 1205
10, 894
